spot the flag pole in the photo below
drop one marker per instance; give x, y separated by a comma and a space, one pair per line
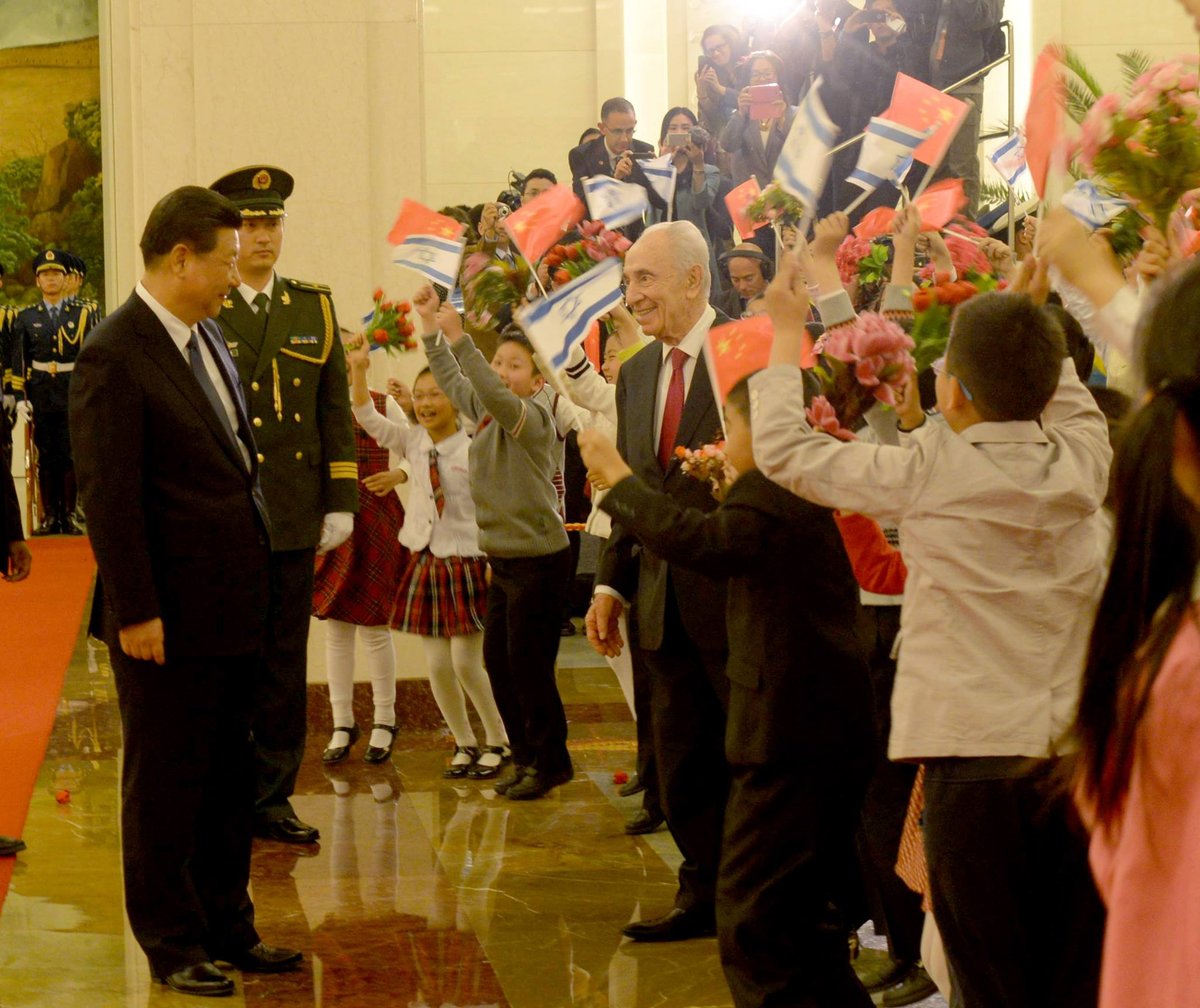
858, 201
532, 272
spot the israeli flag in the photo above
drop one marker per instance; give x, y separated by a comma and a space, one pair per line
436, 259
803, 163
1009, 159
886, 153
556, 323
1090, 205
614, 203
456, 299
661, 174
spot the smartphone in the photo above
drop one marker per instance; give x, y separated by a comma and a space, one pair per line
678, 139
875, 16
763, 99
701, 64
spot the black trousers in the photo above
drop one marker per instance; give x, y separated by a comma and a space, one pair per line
186, 802
647, 765
520, 644
895, 908
1012, 893
688, 695
787, 865
52, 436
279, 712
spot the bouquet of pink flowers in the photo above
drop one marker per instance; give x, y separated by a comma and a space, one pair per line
775, 205
566, 262
706, 463
863, 362
1147, 147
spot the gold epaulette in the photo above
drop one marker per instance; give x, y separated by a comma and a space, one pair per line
308, 285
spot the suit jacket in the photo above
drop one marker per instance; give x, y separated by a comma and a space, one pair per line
798, 671
591, 159
294, 379
624, 566
175, 516
740, 137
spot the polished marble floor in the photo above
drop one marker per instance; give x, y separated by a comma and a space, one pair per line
423, 892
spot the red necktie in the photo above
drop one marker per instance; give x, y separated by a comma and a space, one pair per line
672, 409
435, 482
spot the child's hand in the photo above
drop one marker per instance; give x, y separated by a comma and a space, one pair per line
601, 457
998, 255
1033, 279
908, 405
383, 483
907, 225
402, 395
939, 252
829, 233
425, 301
357, 353
787, 294
449, 322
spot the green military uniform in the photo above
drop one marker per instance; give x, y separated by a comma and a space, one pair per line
293, 372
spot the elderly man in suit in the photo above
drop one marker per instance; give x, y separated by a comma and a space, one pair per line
677, 622
615, 153
168, 473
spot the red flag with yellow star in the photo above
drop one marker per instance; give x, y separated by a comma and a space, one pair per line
739, 348
1045, 117
919, 106
415, 219
737, 199
543, 221
428, 242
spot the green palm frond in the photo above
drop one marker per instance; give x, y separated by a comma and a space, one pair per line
1134, 63
1079, 99
1073, 62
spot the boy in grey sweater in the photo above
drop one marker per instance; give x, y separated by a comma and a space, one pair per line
512, 462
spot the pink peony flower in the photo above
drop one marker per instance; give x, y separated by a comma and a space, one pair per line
823, 418
849, 254
1166, 77
1189, 81
1140, 105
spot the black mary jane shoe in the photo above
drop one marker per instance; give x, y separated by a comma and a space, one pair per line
482, 771
335, 754
377, 754
456, 770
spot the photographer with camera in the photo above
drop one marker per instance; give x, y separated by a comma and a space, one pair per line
716, 75
755, 133
697, 182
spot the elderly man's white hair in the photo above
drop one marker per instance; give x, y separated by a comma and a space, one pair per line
689, 248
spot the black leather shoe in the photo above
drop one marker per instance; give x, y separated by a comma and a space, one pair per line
644, 822
535, 783
202, 979
69, 526
264, 959
48, 527
377, 754
675, 925
456, 770
631, 787
511, 776
482, 771
11, 846
335, 754
290, 830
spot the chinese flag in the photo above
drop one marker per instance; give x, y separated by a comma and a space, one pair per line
939, 203
737, 200
875, 224
1044, 117
919, 107
543, 221
591, 342
415, 219
737, 349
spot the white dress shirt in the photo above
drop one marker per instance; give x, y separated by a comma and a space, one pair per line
454, 533
1000, 531
249, 293
693, 345
180, 333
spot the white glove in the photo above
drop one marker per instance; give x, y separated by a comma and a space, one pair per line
24, 410
335, 530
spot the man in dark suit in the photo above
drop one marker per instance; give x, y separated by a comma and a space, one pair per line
283, 335
677, 621
615, 154
169, 480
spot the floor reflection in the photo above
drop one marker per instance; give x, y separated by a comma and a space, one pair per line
424, 892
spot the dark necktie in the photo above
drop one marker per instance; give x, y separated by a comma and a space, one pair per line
435, 481
53, 312
201, 372
260, 303
672, 409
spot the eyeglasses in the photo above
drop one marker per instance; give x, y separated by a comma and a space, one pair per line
939, 369
713, 50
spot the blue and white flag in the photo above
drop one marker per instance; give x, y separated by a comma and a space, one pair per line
613, 202
456, 299
803, 163
1090, 205
661, 174
1009, 159
886, 153
436, 259
554, 324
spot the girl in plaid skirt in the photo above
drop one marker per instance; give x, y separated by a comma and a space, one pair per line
442, 592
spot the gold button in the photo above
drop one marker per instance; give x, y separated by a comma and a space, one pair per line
254, 386
296, 382
299, 456
297, 418
260, 457
258, 421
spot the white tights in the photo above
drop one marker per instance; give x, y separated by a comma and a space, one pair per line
339, 666
455, 666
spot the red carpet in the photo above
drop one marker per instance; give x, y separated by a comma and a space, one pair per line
40, 619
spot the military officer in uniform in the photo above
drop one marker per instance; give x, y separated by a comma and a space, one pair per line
283, 334
7, 390
45, 340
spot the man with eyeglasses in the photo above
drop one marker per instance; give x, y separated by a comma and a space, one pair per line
615, 154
